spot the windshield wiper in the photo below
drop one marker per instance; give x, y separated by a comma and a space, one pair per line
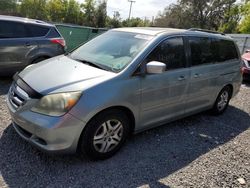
92, 64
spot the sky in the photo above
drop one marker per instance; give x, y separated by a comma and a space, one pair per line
141, 8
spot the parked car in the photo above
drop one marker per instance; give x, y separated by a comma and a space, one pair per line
124, 81
246, 65
25, 41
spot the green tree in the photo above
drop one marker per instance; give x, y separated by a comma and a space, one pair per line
89, 12
8, 7
101, 14
56, 10
174, 16
115, 21
244, 26
73, 12
133, 22
231, 20
34, 9
207, 14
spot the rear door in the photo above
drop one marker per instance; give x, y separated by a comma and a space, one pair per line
50, 42
14, 44
203, 78
163, 95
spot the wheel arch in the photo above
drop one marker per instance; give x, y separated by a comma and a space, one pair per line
39, 57
127, 111
231, 89
124, 109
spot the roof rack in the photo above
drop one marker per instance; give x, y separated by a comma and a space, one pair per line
205, 30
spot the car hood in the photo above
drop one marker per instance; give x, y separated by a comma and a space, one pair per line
62, 74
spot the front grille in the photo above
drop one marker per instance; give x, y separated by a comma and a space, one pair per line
17, 96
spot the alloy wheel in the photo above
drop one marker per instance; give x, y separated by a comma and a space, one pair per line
108, 136
224, 98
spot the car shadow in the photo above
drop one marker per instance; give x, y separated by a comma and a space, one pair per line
146, 158
246, 83
5, 83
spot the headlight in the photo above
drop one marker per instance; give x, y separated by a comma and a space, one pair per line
56, 104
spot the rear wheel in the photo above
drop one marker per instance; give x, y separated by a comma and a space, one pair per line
222, 101
104, 135
39, 59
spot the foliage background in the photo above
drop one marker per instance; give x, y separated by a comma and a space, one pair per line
229, 16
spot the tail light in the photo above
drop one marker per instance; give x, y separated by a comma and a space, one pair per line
58, 41
245, 66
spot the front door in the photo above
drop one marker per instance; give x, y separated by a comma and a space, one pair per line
163, 95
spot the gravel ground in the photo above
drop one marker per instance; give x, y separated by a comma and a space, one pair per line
199, 151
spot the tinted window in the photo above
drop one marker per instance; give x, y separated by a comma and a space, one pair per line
37, 31
12, 30
53, 33
224, 50
201, 50
171, 52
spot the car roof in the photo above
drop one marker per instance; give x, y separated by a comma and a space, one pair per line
154, 31
24, 20
149, 30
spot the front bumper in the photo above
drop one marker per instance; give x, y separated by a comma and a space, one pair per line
49, 134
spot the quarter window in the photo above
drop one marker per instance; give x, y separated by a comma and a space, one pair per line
206, 50
171, 52
224, 50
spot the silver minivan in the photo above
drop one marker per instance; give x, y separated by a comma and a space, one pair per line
124, 81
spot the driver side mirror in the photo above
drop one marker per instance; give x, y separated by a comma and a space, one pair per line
155, 67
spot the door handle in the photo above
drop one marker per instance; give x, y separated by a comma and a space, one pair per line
181, 78
27, 44
197, 75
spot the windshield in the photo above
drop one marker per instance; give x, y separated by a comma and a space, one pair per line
112, 50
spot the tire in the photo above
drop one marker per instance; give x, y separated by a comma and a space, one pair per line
222, 101
38, 60
104, 135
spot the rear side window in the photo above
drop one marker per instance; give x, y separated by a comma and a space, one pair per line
171, 52
201, 50
37, 31
224, 50
206, 50
12, 30
53, 33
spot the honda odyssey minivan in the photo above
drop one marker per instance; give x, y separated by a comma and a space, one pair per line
124, 81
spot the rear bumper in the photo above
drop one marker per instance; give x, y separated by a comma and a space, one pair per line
246, 74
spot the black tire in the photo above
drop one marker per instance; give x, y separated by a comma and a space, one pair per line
218, 109
86, 142
38, 60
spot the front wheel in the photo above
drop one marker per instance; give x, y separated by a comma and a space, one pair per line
104, 135
222, 101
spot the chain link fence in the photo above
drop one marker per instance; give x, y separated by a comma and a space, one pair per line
75, 35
